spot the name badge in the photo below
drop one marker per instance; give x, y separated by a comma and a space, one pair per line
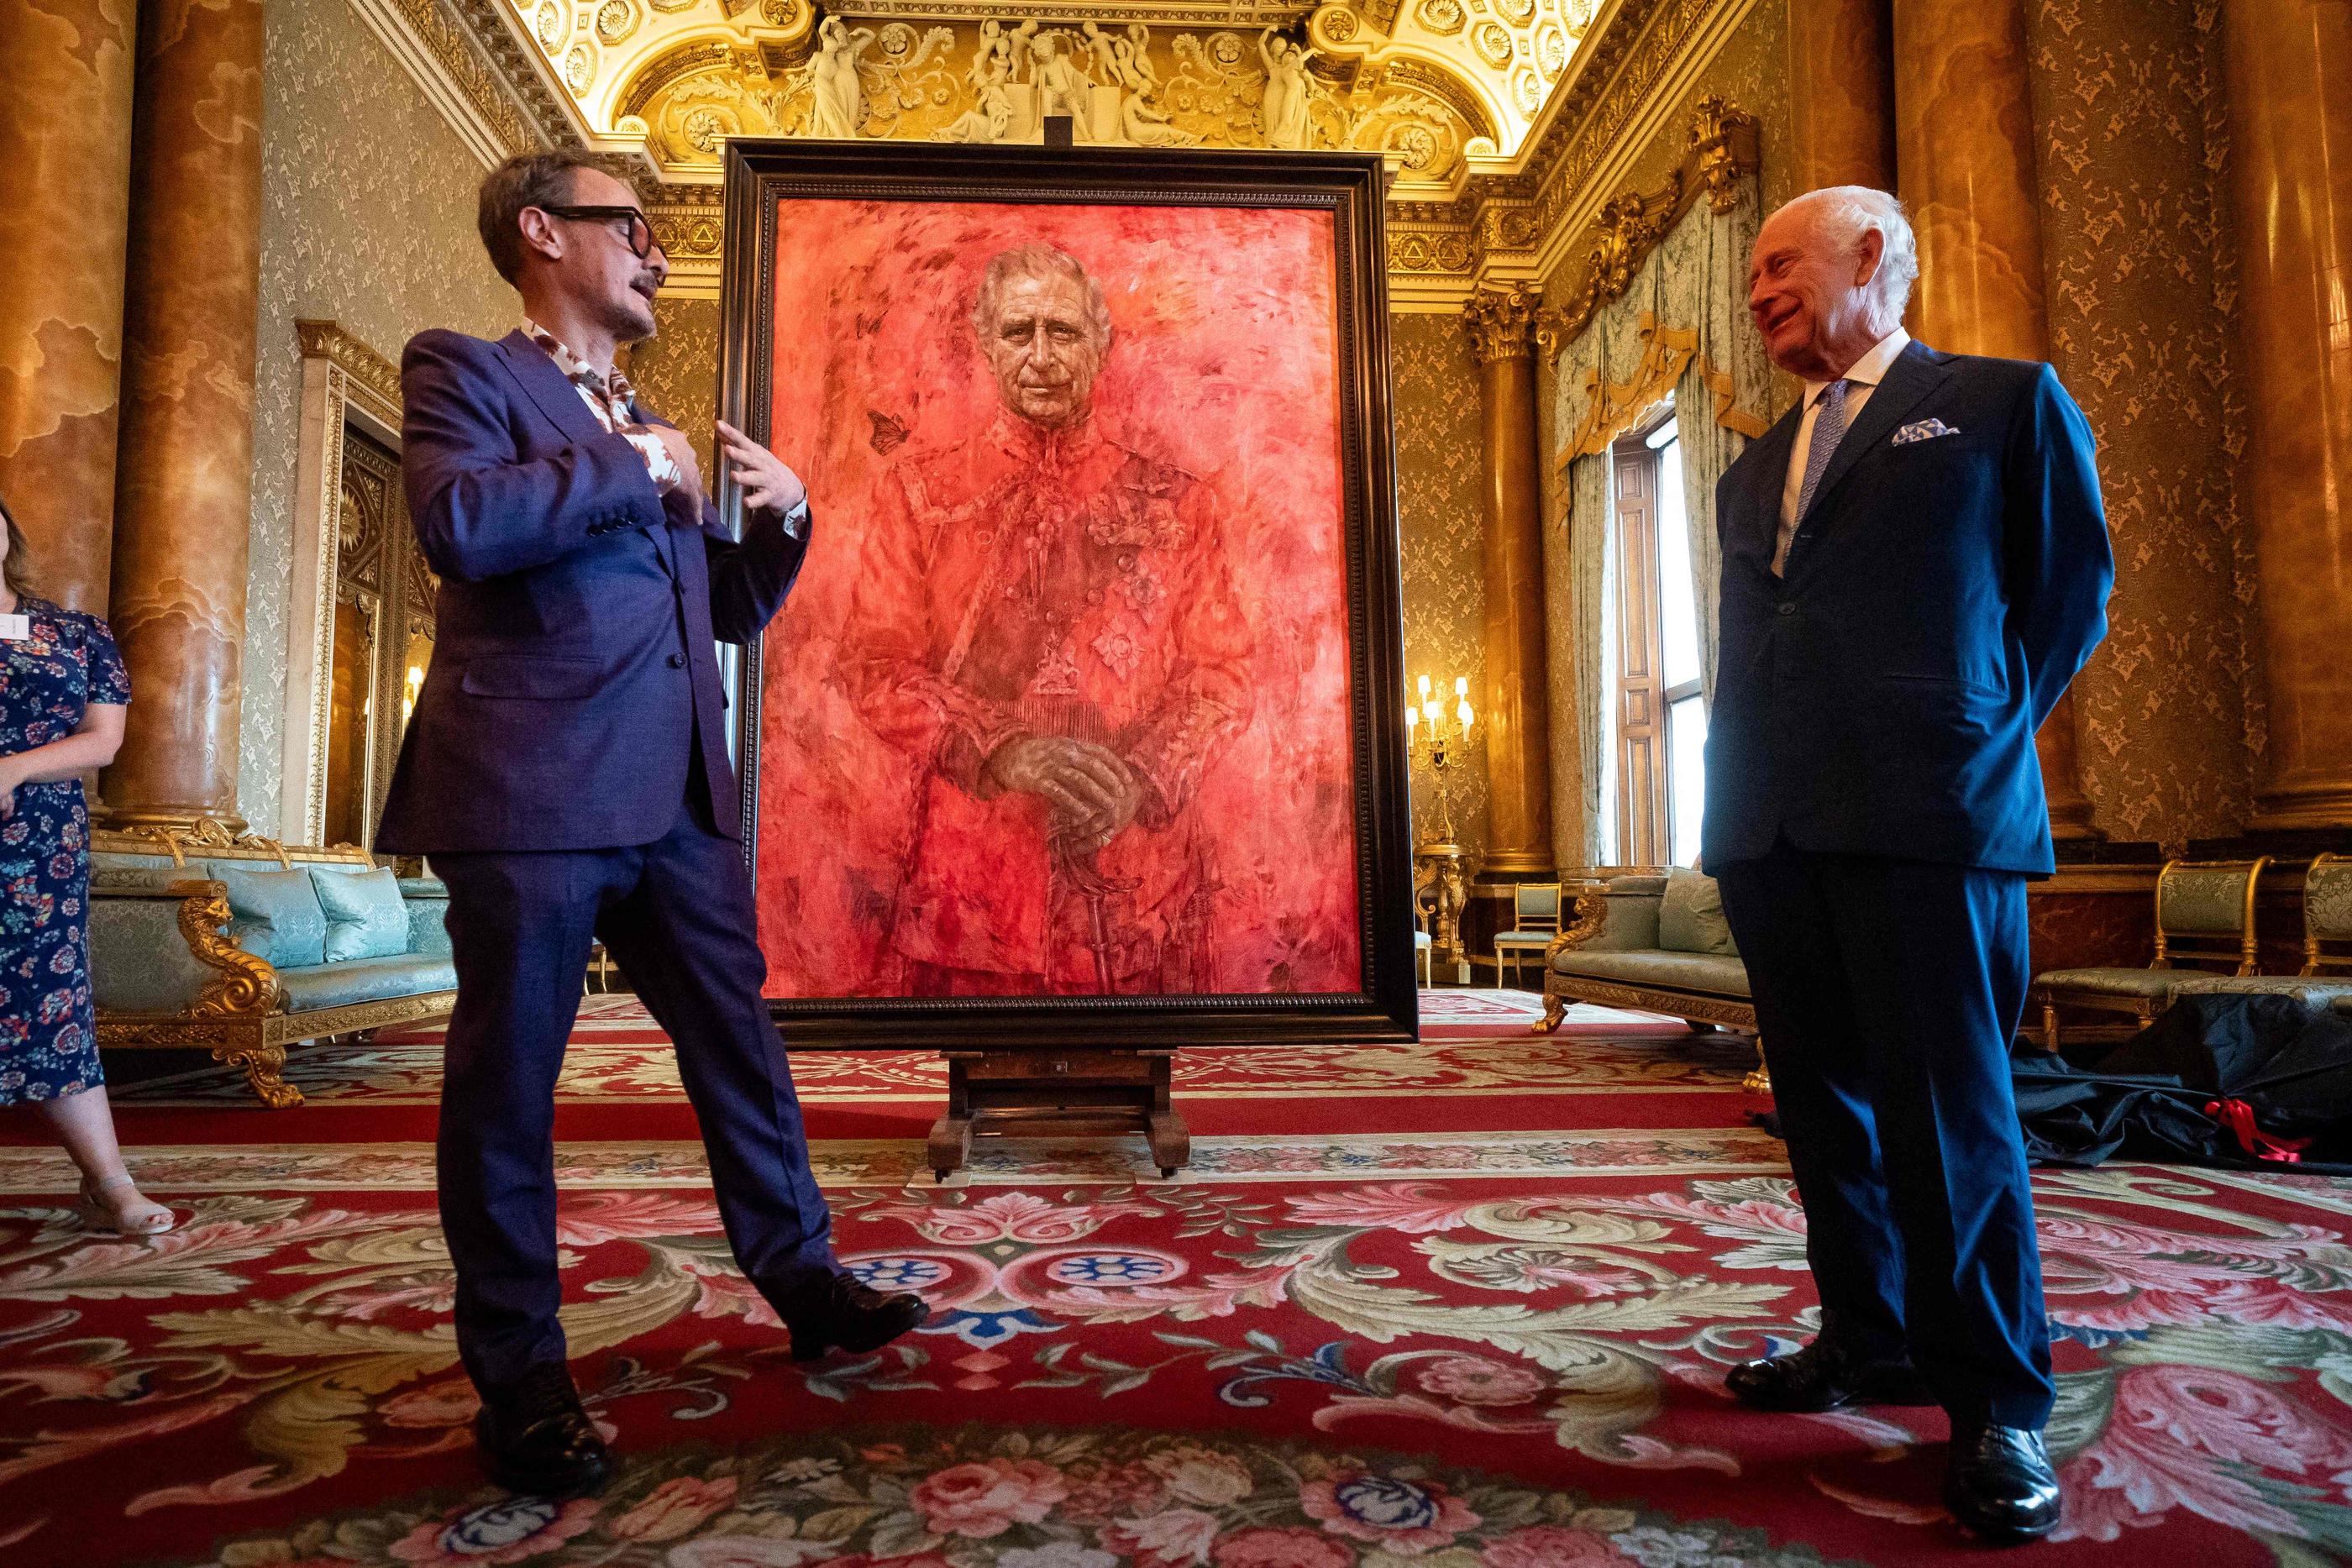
16, 627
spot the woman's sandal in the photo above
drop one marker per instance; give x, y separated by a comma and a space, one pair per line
141, 1216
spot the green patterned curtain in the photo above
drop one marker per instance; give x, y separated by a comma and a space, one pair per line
1681, 327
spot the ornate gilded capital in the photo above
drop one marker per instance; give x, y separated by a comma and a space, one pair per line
1724, 139
1504, 322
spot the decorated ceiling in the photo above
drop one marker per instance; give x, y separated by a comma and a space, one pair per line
1444, 88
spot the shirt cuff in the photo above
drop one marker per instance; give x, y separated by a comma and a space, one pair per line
659, 465
796, 521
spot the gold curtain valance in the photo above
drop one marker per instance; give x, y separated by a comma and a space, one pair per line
1612, 408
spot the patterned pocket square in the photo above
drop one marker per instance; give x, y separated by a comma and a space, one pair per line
1925, 430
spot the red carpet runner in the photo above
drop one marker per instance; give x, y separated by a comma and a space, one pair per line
1463, 1305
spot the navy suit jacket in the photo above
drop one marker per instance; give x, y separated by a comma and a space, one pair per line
573, 672
1882, 699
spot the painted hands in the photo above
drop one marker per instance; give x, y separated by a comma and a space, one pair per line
1093, 793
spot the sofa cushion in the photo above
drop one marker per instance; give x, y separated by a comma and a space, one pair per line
275, 915
1691, 919
365, 916
365, 980
1701, 974
2134, 984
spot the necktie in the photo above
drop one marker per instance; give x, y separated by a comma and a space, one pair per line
1828, 429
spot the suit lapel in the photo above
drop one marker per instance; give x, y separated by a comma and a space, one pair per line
1914, 374
549, 388
1758, 531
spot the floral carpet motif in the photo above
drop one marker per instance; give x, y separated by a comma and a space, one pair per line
1208, 1373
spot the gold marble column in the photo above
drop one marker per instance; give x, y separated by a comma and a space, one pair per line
65, 139
184, 478
1840, 94
1964, 138
1516, 717
2289, 74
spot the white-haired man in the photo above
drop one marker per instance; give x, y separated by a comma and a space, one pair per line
1915, 564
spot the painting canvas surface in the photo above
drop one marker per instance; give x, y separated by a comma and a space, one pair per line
1042, 562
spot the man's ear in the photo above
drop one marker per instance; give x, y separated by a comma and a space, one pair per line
542, 235
1871, 251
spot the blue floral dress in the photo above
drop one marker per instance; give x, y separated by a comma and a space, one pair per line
49, 1039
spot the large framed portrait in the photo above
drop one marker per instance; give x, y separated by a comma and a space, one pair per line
1083, 722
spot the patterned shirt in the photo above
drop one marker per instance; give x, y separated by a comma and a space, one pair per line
608, 398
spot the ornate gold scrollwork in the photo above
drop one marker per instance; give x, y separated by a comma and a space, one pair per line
1592, 912
1724, 138
1504, 322
246, 987
262, 1065
1630, 225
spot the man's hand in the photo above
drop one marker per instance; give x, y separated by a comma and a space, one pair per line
766, 482
1093, 792
681, 452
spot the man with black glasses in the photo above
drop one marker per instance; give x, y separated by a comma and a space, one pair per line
567, 771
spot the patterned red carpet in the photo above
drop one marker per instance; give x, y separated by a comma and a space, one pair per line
1465, 1314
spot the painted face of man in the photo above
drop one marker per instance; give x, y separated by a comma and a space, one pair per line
1042, 345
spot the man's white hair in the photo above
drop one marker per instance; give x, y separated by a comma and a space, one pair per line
1845, 213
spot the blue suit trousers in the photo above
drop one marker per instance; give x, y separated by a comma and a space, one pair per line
676, 914
1887, 992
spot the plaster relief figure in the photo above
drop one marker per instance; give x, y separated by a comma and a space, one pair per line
1283, 116
833, 74
992, 116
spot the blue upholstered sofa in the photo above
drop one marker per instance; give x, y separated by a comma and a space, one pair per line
239, 945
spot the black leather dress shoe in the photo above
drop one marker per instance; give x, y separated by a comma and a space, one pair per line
846, 1312
535, 1438
1823, 1376
2000, 1485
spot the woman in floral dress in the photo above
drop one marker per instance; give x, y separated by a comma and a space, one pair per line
62, 696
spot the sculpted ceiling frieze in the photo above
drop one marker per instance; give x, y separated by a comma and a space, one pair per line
1444, 88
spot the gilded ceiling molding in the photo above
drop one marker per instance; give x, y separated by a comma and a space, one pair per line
1500, 229
437, 50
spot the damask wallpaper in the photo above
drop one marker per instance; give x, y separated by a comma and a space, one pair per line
2141, 284
367, 220
1440, 461
675, 372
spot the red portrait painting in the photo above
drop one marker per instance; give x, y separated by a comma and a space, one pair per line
1061, 704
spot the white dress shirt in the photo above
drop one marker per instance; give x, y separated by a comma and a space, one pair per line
1861, 381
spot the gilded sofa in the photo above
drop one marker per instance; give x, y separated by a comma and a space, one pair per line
168, 973
1623, 947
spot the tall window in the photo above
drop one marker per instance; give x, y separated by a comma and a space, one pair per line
1660, 715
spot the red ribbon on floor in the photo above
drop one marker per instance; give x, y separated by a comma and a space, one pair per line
2239, 1117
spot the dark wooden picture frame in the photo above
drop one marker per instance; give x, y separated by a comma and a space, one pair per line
760, 175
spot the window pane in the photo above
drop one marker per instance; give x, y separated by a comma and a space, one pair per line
1687, 778
1678, 598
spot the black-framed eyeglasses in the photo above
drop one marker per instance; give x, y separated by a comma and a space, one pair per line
640, 234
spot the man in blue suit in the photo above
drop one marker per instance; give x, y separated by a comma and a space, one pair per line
1915, 564
566, 769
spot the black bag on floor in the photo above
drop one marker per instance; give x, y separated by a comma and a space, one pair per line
2212, 1080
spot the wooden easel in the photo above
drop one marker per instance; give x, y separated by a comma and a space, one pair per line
1053, 1094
